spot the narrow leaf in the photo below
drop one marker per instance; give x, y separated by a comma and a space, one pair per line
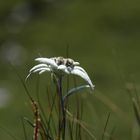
74, 90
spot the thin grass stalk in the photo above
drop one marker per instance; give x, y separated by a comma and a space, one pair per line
137, 97
43, 126
111, 133
34, 104
105, 127
50, 117
51, 105
42, 115
70, 128
135, 91
50, 114
81, 115
29, 122
77, 117
81, 123
45, 136
24, 130
136, 109
9, 133
79, 133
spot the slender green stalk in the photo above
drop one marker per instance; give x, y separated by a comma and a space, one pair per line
24, 130
62, 114
108, 117
9, 133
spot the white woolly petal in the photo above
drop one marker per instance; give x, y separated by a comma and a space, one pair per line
38, 66
47, 61
82, 73
40, 69
76, 63
80, 68
67, 71
62, 67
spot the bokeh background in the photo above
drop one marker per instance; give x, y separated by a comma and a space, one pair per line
103, 35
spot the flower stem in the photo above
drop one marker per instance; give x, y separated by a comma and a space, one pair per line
62, 114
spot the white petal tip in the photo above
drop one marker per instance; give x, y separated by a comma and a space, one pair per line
76, 63
42, 72
92, 87
39, 59
27, 77
47, 61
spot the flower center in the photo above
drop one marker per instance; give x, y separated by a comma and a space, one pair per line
64, 61
69, 63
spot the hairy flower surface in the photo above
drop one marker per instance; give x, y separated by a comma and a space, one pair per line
60, 66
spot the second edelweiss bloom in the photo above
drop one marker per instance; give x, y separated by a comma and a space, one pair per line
61, 66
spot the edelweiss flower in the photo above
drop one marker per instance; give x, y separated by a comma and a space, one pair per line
60, 66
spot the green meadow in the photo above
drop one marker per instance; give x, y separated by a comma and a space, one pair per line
104, 36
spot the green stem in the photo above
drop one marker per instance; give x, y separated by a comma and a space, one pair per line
62, 114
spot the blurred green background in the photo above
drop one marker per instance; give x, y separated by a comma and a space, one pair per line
103, 35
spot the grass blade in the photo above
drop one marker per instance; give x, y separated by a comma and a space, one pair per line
108, 117
9, 133
24, 130
136, 110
